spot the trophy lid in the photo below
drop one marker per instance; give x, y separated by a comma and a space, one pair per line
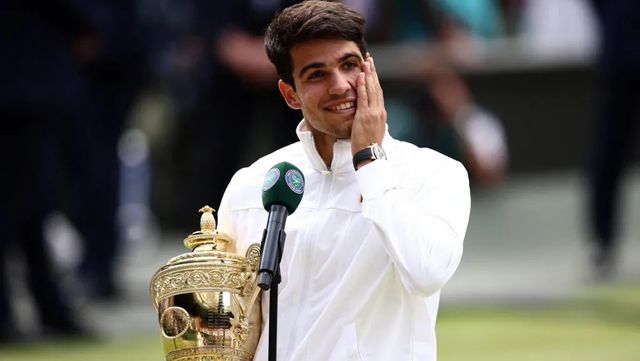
208, 238
199, 270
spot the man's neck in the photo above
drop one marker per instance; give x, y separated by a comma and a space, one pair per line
325, 149
324, 146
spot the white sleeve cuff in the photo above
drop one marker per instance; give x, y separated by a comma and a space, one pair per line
375, 178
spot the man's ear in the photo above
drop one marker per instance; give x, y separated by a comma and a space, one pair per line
289, 94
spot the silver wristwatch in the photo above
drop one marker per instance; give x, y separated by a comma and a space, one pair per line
373, 151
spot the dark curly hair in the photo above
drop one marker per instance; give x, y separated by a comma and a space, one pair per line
310, 20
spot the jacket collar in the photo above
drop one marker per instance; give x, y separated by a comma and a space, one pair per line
342, 157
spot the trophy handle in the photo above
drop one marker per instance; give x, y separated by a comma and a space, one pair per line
242, 326
252, 261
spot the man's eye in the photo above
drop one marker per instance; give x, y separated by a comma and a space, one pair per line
350, 65
315, 75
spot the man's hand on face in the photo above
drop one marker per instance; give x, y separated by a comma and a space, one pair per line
371, 117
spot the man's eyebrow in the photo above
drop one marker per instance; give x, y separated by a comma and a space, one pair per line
310, 66
320, 65
349, 55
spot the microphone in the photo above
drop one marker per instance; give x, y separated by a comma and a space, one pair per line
281, 194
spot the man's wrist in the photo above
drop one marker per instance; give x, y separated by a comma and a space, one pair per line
367, 155
363, 163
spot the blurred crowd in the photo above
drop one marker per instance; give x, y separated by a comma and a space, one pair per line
126, 116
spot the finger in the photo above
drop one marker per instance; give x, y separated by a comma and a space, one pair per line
363, 99
370, 84
374, 71
376, 82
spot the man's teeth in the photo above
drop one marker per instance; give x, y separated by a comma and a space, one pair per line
343, 106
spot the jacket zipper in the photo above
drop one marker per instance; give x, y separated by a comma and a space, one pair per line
327, 180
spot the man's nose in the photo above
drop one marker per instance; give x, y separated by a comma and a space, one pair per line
340, 84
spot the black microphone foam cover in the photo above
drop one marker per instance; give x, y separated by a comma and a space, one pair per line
283, 185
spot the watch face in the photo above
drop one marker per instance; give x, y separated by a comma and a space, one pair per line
378, 152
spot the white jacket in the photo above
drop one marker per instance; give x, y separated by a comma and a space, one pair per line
366, 252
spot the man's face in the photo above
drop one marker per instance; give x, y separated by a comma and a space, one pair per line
325, 74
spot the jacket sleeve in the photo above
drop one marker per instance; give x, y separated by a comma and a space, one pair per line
423, 224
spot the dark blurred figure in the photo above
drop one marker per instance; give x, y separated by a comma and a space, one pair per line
617, 117
39, 90
446, 116
510, 13
235, 87
115, 75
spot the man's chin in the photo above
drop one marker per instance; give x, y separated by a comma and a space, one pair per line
346, 134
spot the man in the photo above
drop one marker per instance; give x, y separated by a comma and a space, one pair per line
373, 240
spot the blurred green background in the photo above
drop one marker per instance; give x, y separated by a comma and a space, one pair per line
602, 324
524, 289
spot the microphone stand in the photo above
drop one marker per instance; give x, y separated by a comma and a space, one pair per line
270, 281
273, 313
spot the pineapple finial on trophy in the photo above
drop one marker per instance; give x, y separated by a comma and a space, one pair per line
208, 238
207, 221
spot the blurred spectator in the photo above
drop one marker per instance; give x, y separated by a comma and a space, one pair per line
556, 29
115, 75
225, 57
40, 87
616, 118
466, 130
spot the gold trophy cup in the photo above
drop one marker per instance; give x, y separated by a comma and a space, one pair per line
206, 299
